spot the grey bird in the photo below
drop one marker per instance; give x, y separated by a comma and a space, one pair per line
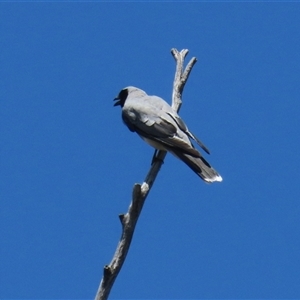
155, 121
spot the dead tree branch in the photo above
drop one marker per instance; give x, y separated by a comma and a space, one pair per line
140, 191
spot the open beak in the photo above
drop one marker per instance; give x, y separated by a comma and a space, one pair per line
118, 102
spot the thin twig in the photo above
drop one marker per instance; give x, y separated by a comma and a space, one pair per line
140, 192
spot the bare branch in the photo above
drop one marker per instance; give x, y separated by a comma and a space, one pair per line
140, 192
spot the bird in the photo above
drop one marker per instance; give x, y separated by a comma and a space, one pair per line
159, 125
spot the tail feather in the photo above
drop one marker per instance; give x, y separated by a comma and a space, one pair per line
199, 165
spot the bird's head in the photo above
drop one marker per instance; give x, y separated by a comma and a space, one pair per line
121, 98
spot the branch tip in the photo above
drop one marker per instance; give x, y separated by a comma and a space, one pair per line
184, 52
175, 53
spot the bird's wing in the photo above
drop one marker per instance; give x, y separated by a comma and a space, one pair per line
153, 123
184, 128
164, 106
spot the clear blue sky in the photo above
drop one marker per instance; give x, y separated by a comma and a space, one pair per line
68, 163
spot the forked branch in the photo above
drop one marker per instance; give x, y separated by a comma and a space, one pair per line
140, 192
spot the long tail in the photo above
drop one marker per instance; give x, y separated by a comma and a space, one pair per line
199, 165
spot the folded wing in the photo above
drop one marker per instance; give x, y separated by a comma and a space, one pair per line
154, 124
